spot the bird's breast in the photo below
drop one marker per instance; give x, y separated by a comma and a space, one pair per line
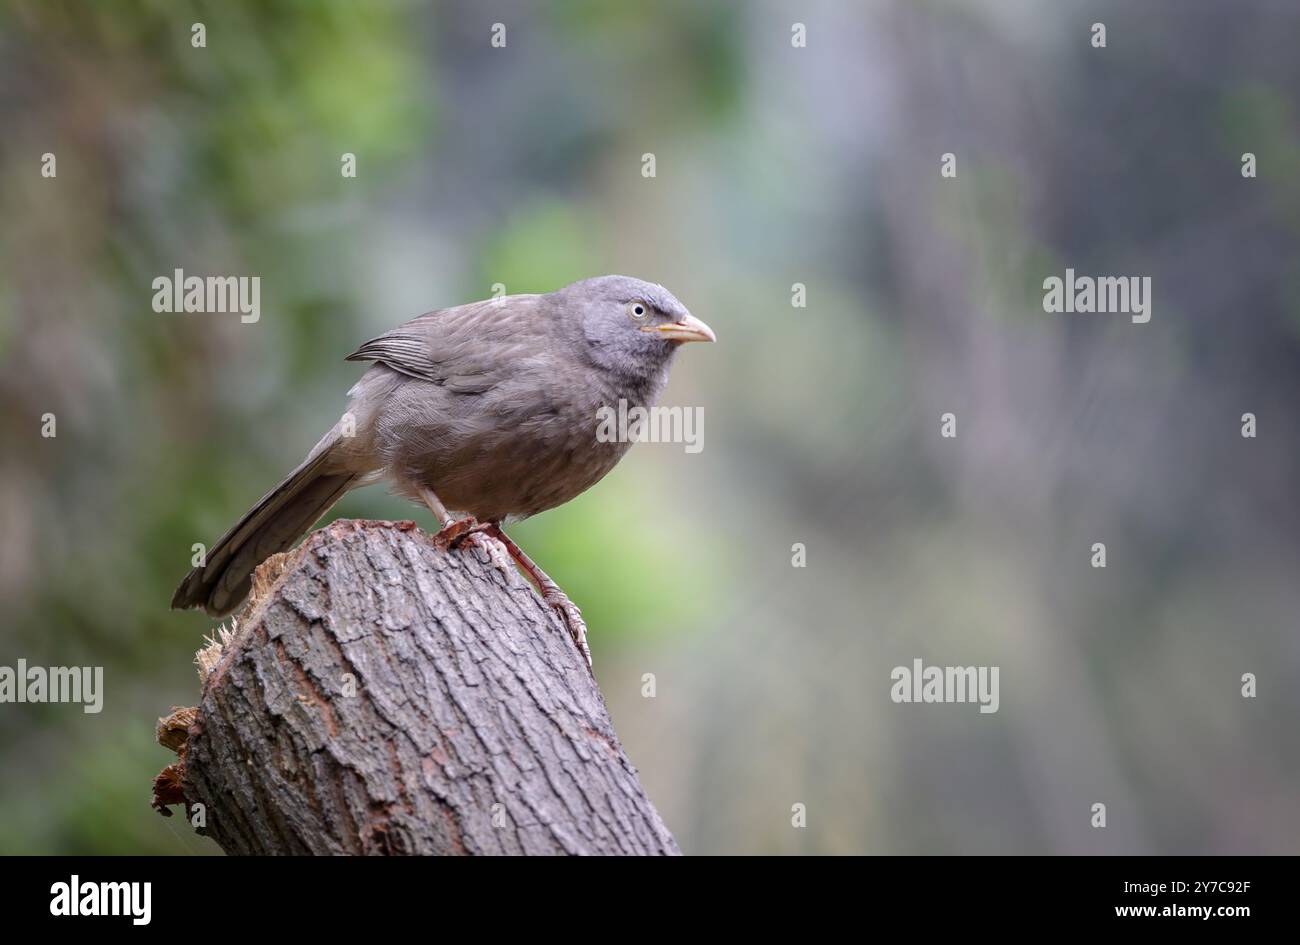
515, 453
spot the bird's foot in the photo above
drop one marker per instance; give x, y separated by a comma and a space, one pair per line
571, 617
551, 593
453, 534
469, 532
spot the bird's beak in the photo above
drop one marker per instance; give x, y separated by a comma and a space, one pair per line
688, 328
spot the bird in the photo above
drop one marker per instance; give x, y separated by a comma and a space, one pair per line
485, 413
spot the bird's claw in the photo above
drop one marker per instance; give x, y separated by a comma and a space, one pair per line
571, 617
453, 533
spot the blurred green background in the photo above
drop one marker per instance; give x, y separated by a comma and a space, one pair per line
775, 165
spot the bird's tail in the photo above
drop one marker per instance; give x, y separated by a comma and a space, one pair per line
279, 519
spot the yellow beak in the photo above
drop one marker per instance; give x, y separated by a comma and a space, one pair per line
689, 328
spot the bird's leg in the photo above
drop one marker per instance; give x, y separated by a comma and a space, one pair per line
440, 513
555, 598
450, 534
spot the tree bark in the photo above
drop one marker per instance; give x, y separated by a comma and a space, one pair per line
382, 696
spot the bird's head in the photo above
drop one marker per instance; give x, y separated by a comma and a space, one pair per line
630, 327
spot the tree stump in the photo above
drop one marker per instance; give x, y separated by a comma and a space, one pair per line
379, 695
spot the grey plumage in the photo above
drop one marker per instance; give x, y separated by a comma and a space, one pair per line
491, 406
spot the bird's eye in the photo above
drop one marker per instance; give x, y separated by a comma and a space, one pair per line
638, 311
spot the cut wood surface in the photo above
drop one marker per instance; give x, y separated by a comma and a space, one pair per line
380, 695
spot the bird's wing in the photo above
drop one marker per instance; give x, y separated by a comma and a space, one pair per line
468, 349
